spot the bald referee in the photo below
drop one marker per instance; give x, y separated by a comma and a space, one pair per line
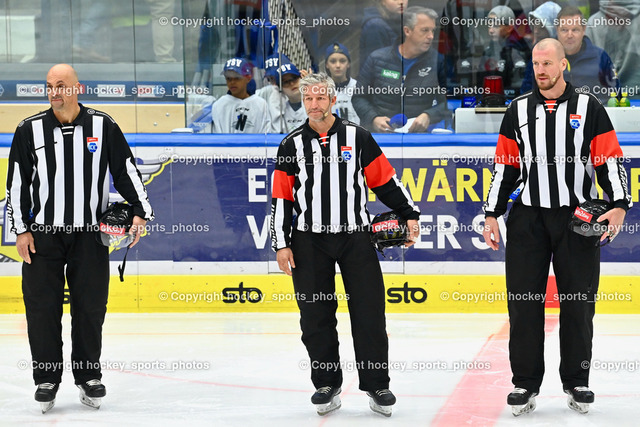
552, 142
57, 189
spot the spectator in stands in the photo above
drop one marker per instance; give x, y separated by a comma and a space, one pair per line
381, 26
616, 29
507, 53
293, 114
542, 22
588, 65
272, 93
463, 45
338, 66
237, 111
407, 78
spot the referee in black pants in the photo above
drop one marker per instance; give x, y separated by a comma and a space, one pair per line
57, 189
552, 142
319, 218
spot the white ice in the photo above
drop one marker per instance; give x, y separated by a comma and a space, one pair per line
240, 369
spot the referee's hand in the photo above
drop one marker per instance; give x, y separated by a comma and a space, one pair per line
137, 228
285, 260
491, 232
25, 246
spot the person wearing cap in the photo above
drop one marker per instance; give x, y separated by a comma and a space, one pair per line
272, 93
507, 53
338, 66
291, 113
60, 164
407, 78
237, 111
588, 67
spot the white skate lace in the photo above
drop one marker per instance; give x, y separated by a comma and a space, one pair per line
581, 388
383, 391
91, 383
519, 390
48, 386
324, 390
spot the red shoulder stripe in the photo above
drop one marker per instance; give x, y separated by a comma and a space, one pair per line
378, 172
507, 152
604, 146
283, 185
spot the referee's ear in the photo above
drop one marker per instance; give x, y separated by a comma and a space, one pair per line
333, 100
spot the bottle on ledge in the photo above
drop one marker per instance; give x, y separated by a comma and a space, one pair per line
613, 100
624, 101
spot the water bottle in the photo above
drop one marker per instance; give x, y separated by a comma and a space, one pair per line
624, 101
613, 101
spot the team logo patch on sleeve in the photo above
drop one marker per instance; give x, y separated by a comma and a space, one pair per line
346, 153
92, 143
574, 120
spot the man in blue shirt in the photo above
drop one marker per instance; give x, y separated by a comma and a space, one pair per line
589, 68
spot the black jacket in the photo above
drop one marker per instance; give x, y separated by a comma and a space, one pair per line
383, 90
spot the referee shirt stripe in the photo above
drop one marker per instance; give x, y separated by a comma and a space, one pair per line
541, 161
334, 165
41, 167
564, 199
527, 153
95, 165
301, 194
78, 177
350, 177
578, 141
316, 187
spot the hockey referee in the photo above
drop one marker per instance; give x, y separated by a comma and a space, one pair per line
552, 142
57, 189
319, 217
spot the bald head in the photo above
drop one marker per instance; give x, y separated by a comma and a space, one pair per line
62, 90
549, 64
550, 45
64, 71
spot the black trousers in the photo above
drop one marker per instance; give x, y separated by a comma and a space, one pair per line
536, 237
87, 273
315, 256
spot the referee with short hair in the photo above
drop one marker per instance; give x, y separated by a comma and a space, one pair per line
552, 142
57, 189
319, 217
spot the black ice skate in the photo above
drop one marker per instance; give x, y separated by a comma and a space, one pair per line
46, 395
522, 401
92, 392
578, 399
381, 401
326, 399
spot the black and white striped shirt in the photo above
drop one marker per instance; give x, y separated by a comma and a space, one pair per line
59, 174
320, 182
551, 149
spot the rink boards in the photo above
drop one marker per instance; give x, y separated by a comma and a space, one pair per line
209, 248
274, 293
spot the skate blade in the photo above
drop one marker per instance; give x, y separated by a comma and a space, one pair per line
93, 402
46, 406
327, 408
382, 410
582, 408
518, 410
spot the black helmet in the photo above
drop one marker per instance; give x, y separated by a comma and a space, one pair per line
388, 229
584, 218
115, 224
